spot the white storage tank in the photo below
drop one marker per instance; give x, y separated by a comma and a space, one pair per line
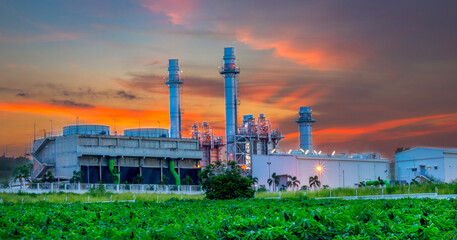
86, 129
147, 132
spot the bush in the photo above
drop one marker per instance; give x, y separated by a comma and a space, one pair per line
225, 182
262, 189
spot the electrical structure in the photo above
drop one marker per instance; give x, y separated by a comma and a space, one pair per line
210, 145
253, 137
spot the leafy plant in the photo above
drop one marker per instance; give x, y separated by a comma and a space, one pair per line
77, 177
187, 180
48, 177
165, 180
225, 182
138, 179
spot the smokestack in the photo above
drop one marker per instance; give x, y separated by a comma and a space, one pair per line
229, 71
305, 122
173, 83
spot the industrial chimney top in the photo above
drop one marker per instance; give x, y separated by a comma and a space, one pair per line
306, 115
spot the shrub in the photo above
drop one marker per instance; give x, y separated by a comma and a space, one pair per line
222, 181
262, 189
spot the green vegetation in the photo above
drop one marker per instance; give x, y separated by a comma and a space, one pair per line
94, 195
302, 218
7, 167
23, 173
225, 182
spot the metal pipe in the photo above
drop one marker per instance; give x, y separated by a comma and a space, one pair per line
173, 83
305, 122
229, 71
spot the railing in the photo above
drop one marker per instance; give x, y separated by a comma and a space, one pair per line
85, 187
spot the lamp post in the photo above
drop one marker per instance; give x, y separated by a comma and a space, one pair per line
269, 164
319, 170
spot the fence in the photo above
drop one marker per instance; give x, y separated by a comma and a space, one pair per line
85, 187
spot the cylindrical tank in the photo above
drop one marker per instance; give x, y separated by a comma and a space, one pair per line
86, 129
229, 71
174, 81
147, 132
305, 122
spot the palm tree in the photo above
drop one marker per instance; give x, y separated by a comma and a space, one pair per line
22, 173
187, 180
138, 179
314, 181
293, 182
270, 182
77, 177
275, 180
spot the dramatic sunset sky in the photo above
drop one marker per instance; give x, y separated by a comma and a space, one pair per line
377, 74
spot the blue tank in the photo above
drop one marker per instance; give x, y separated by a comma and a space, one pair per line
86, 129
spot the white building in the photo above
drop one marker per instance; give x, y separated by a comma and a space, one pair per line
334, 171
440, 164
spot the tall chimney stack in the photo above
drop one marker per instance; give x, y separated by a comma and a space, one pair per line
305, 122
173, 83
229, 71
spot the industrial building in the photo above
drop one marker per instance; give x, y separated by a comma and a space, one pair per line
332, 170
150, 152
252, 137
425, 163
155, 152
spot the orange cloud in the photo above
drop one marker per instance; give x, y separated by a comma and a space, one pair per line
344, 134
102, 115
314, 57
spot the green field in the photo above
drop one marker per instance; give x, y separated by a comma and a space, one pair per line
338, 192
299, 218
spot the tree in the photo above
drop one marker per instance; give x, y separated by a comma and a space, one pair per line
273, 180
254, 179
293, 182
401, 149
222, 181
77, 177
138, 179
187, 180
314, 182
22, 173
48, 177
165, 180
304, 187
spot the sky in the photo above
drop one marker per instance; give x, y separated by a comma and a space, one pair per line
378, 74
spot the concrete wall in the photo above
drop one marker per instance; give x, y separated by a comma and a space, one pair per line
336, 172
450, 167
69, 153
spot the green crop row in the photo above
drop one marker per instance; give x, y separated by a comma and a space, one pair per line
300, 218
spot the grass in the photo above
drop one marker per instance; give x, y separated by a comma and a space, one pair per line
443, 188
98, 197
101, 195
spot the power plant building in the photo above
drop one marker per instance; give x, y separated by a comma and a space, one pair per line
425, 163
155, 152
332, 170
